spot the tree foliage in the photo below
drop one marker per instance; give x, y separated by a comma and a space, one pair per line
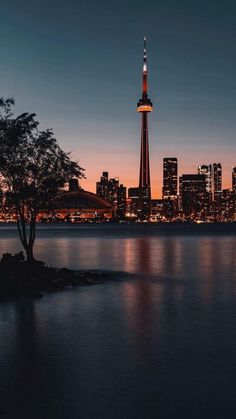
33, 168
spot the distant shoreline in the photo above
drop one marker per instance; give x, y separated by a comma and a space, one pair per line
123, 222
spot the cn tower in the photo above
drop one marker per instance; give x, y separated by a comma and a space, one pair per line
144, 106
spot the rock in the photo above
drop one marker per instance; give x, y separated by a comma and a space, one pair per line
36, 295
18, 277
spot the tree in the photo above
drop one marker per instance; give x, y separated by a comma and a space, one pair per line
33, 168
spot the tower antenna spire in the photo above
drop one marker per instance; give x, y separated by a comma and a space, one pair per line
145, 85
144, 44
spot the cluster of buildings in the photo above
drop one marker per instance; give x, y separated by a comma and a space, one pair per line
191, 197
72, 204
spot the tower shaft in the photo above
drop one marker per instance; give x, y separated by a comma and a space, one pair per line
144, 107
144, 173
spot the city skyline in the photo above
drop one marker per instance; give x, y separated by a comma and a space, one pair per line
83, 80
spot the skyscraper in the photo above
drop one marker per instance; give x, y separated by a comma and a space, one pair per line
108, 188
121, 201
234, 179
170, 178
132, 202
144, 106
217, 180
193, 194
206, 169
113, 192
102, 187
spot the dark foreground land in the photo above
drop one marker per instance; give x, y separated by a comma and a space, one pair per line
19, 277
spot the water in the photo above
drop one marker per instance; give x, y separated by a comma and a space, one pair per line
158, 341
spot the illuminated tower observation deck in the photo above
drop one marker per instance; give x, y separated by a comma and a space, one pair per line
144, 106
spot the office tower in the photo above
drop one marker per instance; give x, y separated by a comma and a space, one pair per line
108, 188
1, 199
170, 178
169, 208
113, 188
144, 106
226, 210
234, 180
133, 193
217, 181
157, 209
193, 194
180, 194
206, 169
170, 187
102, 186
121, 201
132, 201
113, 192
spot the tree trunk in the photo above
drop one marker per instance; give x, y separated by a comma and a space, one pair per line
29, 252
27, 236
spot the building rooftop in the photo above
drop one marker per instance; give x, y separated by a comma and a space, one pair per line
81, 200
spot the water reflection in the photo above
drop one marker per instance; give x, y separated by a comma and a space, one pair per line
160, 340
138, 297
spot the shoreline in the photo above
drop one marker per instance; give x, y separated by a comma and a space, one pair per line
21, 278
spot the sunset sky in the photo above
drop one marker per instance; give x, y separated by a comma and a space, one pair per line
77, 64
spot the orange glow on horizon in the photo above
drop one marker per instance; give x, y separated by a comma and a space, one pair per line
126, 168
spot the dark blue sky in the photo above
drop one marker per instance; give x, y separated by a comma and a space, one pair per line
77, 64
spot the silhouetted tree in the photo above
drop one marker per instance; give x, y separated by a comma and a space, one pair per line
33, 168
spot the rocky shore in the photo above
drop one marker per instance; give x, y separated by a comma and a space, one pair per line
19, 277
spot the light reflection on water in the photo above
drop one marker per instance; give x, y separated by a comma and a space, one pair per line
158, 343
153, 255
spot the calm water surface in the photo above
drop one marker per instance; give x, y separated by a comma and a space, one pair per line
157, 342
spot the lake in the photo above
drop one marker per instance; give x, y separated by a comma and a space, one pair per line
157, 341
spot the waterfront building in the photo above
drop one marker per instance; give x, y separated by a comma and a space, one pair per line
217, 181
206, 169
227, 206
1, 198
132, 202
170, 178
77, 206
180, 194
194, 197
234, 179
157, 209
102, 186
144, 106
121, 202
113, 192
169, 208
108, 188
170, 187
